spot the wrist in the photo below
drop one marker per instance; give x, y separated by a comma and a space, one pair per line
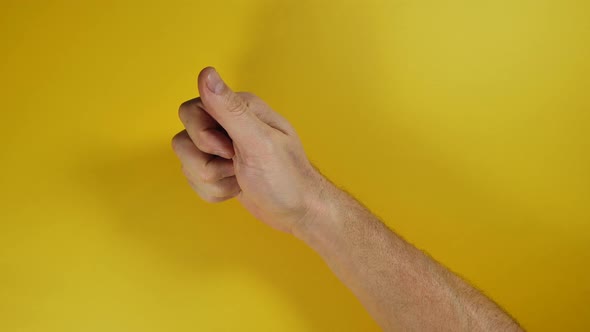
320, 216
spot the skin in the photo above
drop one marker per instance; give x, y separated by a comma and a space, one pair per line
235, 145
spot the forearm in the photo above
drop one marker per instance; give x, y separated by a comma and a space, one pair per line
235, 145
401, 287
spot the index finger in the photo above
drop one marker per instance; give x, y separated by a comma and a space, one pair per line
203, 130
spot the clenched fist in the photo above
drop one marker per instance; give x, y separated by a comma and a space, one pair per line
235, 145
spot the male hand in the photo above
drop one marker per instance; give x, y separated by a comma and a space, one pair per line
235, 145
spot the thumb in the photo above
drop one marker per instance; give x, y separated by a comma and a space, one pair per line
229, 109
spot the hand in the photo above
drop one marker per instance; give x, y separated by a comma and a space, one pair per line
235, 145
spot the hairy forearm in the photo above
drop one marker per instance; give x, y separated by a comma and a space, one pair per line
235, 145
401, 287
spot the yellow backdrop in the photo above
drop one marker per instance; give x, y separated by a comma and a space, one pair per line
463, 124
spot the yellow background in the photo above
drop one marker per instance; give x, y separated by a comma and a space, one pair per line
463, 124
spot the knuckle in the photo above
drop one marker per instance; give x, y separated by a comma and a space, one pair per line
193, 178
176, 141
237, 105
206, 174
201, 141
211, 195
185, 108
218, 191
200, 192
226, 188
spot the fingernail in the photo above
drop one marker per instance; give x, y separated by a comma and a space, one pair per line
214, 82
